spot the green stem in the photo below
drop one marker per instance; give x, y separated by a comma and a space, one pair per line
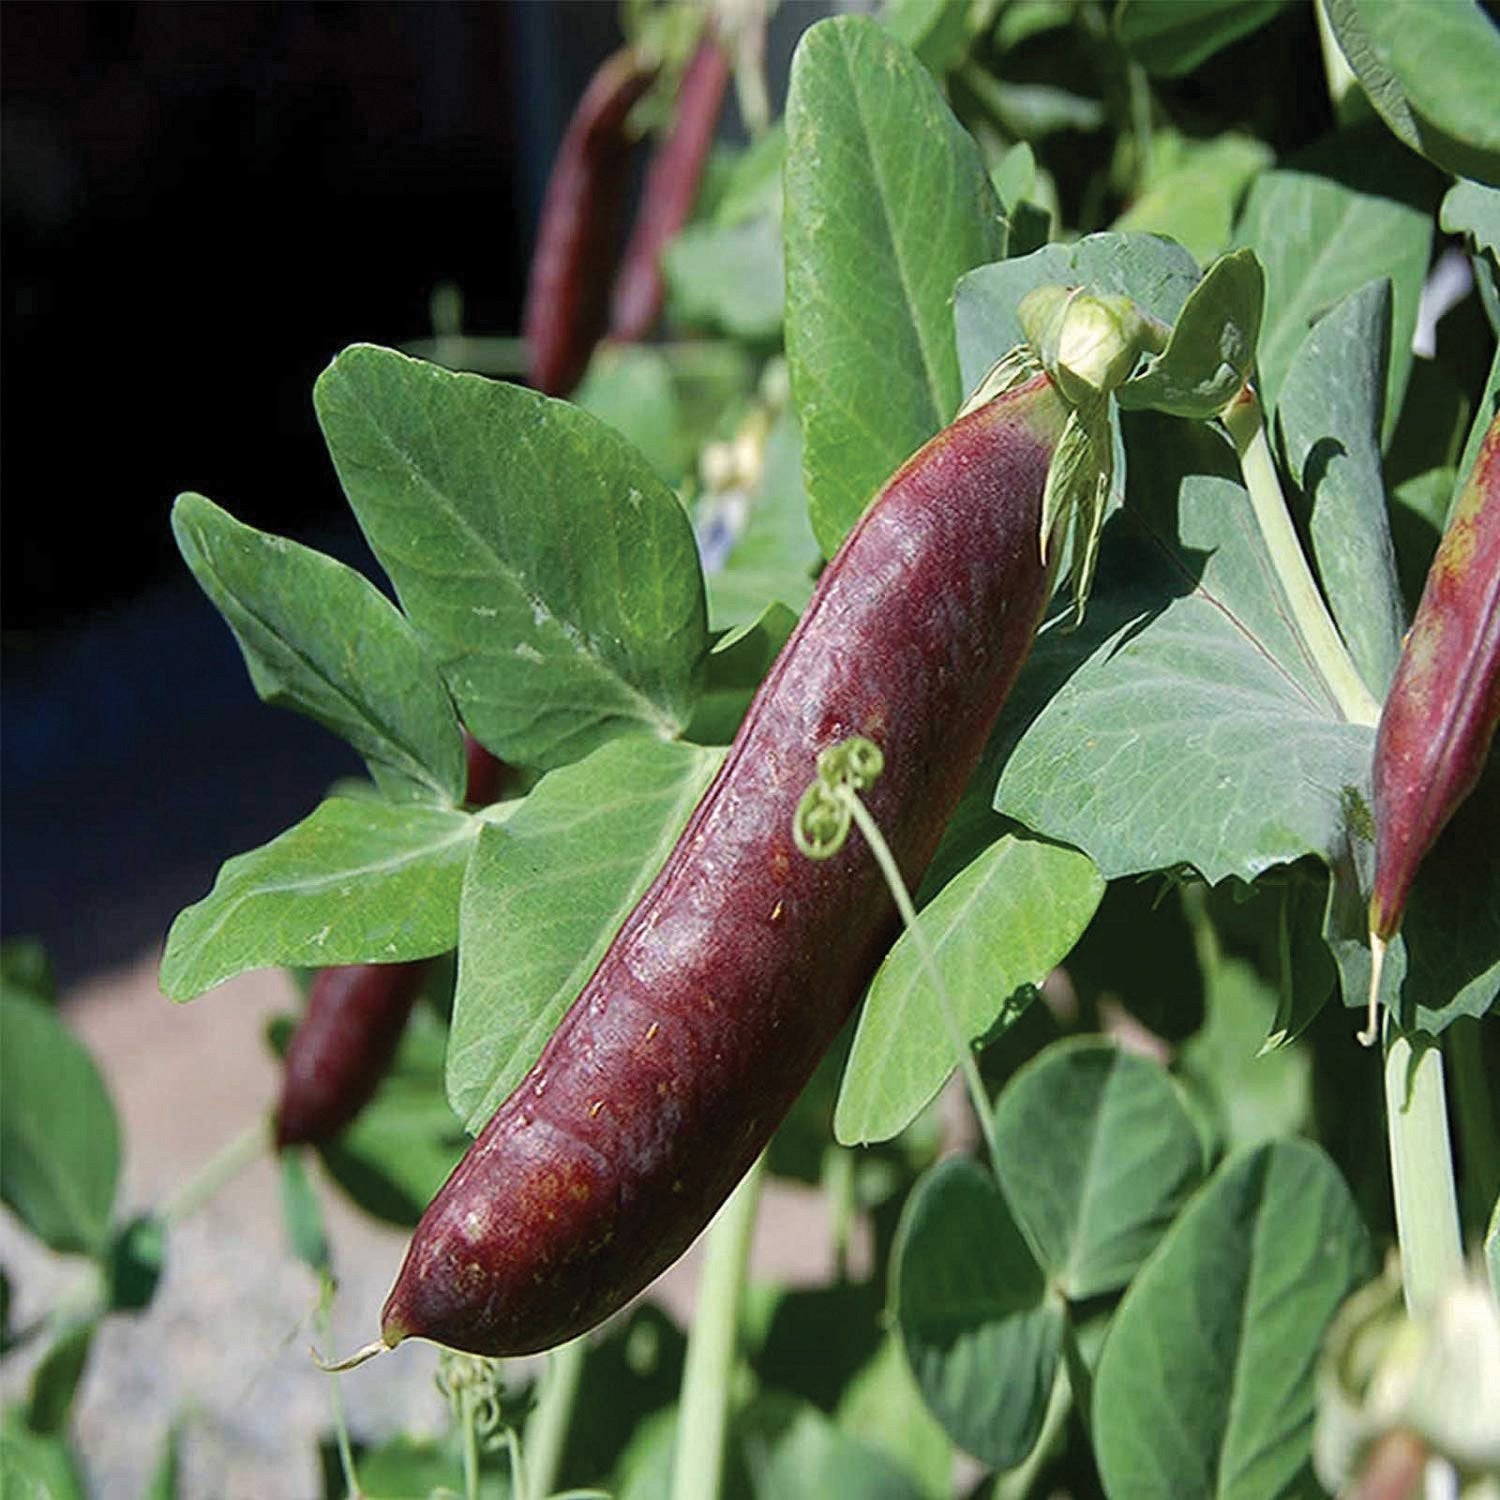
962, 1051
838, 1190
520, 1487
1246, 425
703, 1413
336, 1394
547, 1430
470, 1434
1421, 1168
1477, 1133
217, 1172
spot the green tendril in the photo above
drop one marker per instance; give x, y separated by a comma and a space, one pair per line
821, 823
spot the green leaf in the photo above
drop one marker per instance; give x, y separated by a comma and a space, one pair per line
400, 1149
1097, 1152
630, 387
54, 1382
936, 30
775, 554
881, 1407
1169, 38
887, 205
1429, 68
59, 1136
35, 1467
804, 1456
1205, 1385
982, 1330
1193, 198
544, 897
1485, 413
1330, 419
1014, 176
1212, 345
730, 277
1252, 1095
996, 929
355, 882
302, 1214
753, 184
1321, 237
554, 572
1181, 723
1472, 209
320, 639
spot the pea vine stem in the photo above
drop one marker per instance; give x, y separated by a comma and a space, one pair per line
703, 1414
904, 904
1427, 1224
1245, 422
547, 1430
217, 1172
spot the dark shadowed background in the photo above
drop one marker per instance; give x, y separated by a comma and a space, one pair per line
202, 203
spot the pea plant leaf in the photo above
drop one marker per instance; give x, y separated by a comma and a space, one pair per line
59, 1135
729, 276
1205, 1384
1122, 734
1429, 70
544, 896
554, 572
982, 1330
887, 205
1330, 418
997, 929
1170, 39
630, 387
1096, 1154
357, 881
1212, 345
318, 638
1324, 232
1193, 197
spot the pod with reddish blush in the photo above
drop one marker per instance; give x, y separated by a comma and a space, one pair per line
671, 187
730, 979
1440, 715
581, 225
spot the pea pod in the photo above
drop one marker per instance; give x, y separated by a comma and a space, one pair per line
667, 198
1444, 703
732, 976
578, 235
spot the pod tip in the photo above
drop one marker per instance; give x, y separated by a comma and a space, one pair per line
335, 1367
1371, 1034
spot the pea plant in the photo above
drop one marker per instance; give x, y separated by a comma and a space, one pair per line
987, 716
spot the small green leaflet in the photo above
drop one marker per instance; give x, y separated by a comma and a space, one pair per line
545, 895
555, 574
358, 881
318, 638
